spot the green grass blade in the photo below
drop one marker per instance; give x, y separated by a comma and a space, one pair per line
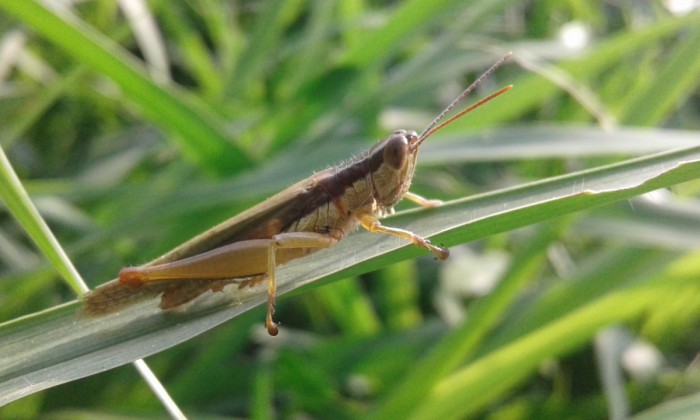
22, 209
686, 407
67, 346
675, 81
409, 20
487, 378
460, 343
199, 133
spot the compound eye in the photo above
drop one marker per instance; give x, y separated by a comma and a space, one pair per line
395, 151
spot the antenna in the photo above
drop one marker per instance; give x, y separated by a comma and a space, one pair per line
433, 127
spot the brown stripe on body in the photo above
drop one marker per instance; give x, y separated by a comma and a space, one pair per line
360, 168
327, 189
335, 184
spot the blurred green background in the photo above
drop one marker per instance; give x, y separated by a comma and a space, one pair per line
136, 125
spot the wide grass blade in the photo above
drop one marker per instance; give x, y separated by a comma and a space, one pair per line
66, 345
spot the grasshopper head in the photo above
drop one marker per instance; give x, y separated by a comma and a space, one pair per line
393, 161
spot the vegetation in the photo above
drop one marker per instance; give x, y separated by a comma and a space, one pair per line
570, 291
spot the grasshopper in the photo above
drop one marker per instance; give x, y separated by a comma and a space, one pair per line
312, 214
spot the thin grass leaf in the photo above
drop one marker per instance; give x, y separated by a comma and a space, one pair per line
460, 343
20, 206
199, 133
675, 82
489, 377
409, 20
256, 59
543, 142
532, 93
557, 332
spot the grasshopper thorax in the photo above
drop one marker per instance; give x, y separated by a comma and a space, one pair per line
392, 163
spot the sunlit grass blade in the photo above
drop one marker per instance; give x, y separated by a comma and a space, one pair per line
460, 343
532, 90
677, 79
20, 206
490, 376
197, 131
91, 345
